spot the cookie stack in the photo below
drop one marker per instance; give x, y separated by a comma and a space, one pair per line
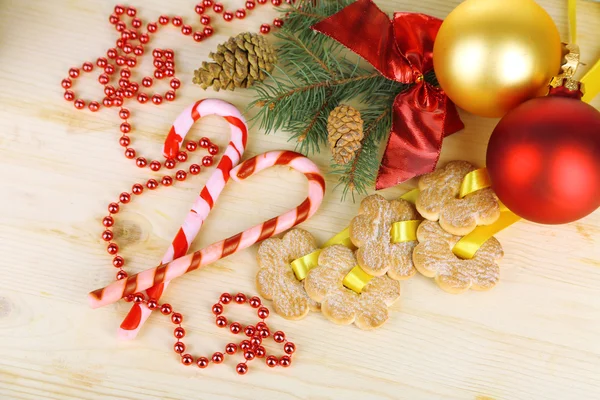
389, 241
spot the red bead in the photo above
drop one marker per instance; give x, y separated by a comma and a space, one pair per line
235, 328
166, 309
218, 7
175, 83
120, 60
113, 19
125, 127
113, 208
74, 72
217, 358
180, 175
205, 20
221, 321
152, 27
213, 149
124, 113
262, 1
130, 153
249, 330
133, 88
198, 36
79, 104
131, 11
199, 8
144, 38
117, 101
217, 309
250, 4
155, 165
263, 312
141, 162
152, 305
128, 298
276, 3
241, 368
169, 72
157, 99
166, 181
163, 20
69, 95
278, 22
108, 221
109, 90
87, 66
170, 163
207, 161
187, 359
121, 275
107, 102
271, 361
179, 347
177, 21
285, 361
231, 348
256, 341
227, 16
109, 69
142, 97
112, 248
207, 3
225, 298
152, 184
137, 189
127, 48
126, 73
240, 298
136, 23
261, 325
260, 352
169, 63
182, 156
264, 333
138, 50
255, 303
240, 14
125, 198
249, 355
107, 235
138, 297
186, 30
289, 347
265, 28
208, 31
119, 9
179, 332
124, 83
191, 146
147, 81
202, 362
279, 337
157, 53
194, 169
170, 95
176, 318
101, 62
245, 345
120, 26
131, 62
169, 54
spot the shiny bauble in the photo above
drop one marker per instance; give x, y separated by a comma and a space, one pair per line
491, 55
543, 159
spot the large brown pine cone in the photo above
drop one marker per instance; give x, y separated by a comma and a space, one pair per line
344, 133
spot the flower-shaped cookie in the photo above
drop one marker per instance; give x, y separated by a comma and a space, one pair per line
324, 284
275, 279
434, 258
370, 233
439, 200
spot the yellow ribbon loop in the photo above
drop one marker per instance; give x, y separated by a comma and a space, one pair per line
404, 231
591, 80
356, 279
474, 181
467, 246
572, 13
411, 196
302, 265
342, 238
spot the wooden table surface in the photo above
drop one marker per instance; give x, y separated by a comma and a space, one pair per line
535, 336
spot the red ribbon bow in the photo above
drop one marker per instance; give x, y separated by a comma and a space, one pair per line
401, 50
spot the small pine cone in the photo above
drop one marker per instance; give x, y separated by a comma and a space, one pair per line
344, 133
239, 62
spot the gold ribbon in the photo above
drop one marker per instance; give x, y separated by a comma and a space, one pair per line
356, 279
302, 265
591, 80
474, 181
404, 231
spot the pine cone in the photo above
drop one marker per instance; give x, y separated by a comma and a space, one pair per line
239, 62
344, 133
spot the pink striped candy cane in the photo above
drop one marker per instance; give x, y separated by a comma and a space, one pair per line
233, 244
139, 313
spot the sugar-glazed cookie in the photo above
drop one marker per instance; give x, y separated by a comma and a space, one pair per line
275, 279
324, 284
439, 200
434, 258
370, 233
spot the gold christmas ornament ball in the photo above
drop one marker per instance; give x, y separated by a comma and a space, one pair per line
491, 55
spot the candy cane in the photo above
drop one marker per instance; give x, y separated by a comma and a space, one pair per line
233, 244
139, 313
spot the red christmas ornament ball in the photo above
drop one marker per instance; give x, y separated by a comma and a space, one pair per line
543, 159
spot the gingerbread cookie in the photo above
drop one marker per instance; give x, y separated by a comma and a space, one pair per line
433, 257
275, 279
439, 200
370, 232
324, 284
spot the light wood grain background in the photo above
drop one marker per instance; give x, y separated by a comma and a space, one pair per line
535, 336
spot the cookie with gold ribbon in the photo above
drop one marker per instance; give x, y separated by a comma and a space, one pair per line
433, 257
365, 305
445, 197
385, 234
275, 279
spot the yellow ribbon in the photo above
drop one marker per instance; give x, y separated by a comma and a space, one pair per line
356, 279
404, 231
474, 181
302, 265
591, 80
572, 13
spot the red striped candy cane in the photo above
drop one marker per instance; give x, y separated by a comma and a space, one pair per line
139, 313
233, 244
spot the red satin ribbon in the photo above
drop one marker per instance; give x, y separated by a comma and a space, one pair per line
401, 50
